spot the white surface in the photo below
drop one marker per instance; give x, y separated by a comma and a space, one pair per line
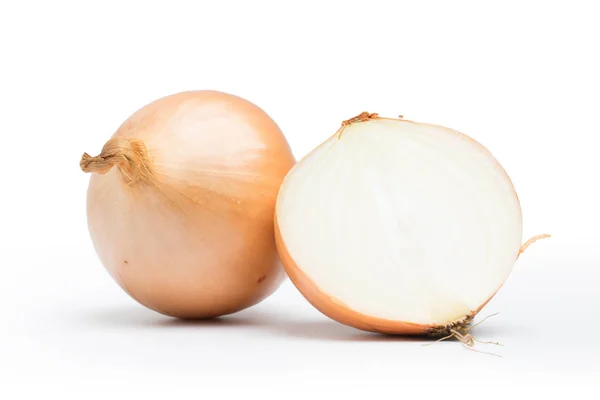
402, 221
521, 77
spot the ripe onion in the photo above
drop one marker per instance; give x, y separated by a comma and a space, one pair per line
181, 204
398, 227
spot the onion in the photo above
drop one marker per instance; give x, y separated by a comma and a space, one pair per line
181, 204
398, 227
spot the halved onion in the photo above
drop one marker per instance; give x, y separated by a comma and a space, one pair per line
181, 204
399, 227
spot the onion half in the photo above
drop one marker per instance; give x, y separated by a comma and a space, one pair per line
181, 204
398, 227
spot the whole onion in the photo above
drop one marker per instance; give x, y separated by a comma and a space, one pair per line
181, 204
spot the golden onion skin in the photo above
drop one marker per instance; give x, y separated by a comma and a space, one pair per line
181, 204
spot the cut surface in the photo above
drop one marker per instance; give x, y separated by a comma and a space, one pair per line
402, 221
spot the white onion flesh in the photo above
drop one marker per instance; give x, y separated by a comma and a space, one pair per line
402, 221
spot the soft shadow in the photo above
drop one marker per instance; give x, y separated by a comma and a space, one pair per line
135, 317
275, 323
331, 330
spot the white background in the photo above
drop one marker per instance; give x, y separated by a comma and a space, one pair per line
521, 77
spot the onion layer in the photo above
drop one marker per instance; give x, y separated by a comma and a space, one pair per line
181, 204
398, 227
